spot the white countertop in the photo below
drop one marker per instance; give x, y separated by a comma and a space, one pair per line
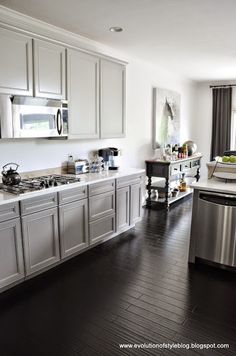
215, 185
86, 179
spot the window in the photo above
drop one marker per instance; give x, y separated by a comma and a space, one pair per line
233, 131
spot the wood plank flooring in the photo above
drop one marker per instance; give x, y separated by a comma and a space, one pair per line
136, 288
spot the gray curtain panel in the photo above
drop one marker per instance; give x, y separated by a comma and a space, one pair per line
221, 120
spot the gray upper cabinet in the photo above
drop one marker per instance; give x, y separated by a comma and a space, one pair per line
112, 99
83, 94
15, 63
11, 253
49, 70
40, 240
73, 222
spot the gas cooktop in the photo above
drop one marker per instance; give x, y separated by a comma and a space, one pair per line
38, 183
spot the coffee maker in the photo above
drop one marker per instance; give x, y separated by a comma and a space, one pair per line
110, 157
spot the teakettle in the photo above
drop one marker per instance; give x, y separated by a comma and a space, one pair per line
10, 176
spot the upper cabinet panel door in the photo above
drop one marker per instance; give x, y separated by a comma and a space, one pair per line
15, 63
112, 99
49, 70
83, 96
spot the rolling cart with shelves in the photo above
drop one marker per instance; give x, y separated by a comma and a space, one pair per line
170, 171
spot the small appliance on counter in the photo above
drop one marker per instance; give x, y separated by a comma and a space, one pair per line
78, 166
110, 157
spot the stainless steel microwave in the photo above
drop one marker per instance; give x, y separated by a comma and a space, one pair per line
25, 117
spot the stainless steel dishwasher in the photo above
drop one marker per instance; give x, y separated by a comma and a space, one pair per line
217, 228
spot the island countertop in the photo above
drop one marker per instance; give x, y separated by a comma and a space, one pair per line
215, 185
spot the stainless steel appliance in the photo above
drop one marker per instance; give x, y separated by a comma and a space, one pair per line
39, 183
23, 117
216, 232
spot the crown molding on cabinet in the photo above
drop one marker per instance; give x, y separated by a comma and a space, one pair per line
36, 28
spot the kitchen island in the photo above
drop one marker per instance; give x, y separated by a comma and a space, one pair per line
213, 228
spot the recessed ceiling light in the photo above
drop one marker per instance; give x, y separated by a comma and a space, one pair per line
116, 29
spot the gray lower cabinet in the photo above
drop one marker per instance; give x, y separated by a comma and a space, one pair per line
135, 202
122, 208
128, 201
40, 240
101, 205
101, 228
11, 254
73, 222
101, 210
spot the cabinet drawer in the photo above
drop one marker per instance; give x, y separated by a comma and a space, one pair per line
103, 187
125, 181
195, 163
101, 228
9, 211
101, 205
175, 169
39, 203
185, 166
70, 195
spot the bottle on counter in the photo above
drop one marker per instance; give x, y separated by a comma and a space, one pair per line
182, 183
180, 152
185, 151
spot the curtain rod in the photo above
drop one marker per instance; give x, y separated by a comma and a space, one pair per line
223, 86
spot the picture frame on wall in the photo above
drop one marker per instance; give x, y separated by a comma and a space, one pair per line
166, 117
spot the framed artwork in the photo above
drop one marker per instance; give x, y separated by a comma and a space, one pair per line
166, 117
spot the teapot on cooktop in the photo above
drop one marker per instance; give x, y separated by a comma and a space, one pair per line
10, 176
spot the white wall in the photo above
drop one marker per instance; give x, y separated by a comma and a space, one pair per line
34, 154
202, 124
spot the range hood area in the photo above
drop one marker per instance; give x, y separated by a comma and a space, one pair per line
28, 117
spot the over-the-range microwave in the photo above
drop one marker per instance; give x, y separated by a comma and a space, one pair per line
25, 117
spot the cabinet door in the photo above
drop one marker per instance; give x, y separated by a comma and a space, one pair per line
122, 208
135, 203
15, 63
73, 220
49, 70
40, 239
112, 99
83, 98
11, 254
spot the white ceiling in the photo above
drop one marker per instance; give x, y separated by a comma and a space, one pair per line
194, 38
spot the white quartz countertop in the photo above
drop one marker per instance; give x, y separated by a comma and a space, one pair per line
215, 185
86, 179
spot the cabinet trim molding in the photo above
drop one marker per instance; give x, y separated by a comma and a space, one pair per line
31, 26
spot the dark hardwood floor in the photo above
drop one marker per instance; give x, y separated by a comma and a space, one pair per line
136, 288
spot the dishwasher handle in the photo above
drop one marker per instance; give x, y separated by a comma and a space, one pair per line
219, 199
